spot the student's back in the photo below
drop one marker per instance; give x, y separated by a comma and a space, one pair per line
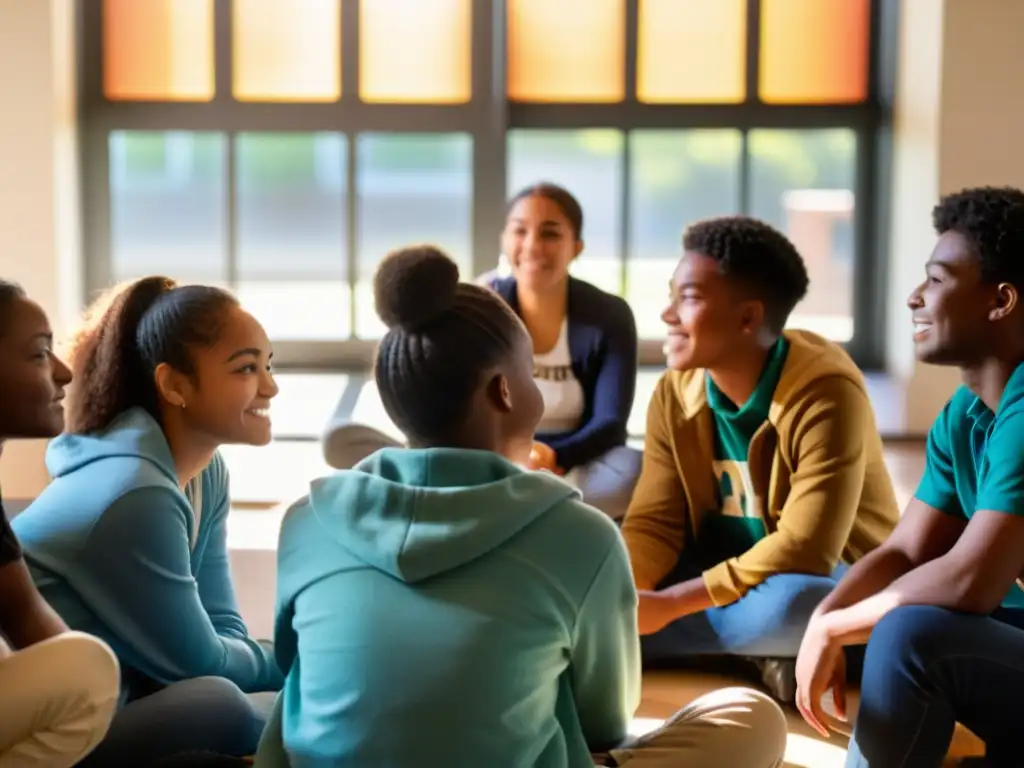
453, 609
438, 605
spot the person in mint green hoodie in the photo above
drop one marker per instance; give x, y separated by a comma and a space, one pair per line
440, 605
129, 541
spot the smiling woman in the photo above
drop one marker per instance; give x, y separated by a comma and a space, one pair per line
129, 541
59, 687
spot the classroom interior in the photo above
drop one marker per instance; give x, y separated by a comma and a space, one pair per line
280, 148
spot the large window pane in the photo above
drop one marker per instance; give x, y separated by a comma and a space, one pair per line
167, 203
291, 233
287, 50
676, 178
814, 51
802, 182
412, 189
414, 52
159, 50
566, 50
589, 164
692, 51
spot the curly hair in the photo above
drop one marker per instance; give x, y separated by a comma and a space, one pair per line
443, 335
992, 221
126, 334
756, 255
560, 196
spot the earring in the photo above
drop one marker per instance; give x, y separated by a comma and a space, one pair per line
183, 405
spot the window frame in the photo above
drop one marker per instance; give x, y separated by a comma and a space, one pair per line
487, 117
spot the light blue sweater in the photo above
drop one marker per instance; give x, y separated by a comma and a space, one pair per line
110, 546
443, 607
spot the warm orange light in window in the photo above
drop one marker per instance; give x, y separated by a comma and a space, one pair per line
287, 50
692, 51
415, 51
566, 50
158, 50
814, 51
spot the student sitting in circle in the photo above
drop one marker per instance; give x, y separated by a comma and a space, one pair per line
584, 355
58, 689
129, 541
438, 605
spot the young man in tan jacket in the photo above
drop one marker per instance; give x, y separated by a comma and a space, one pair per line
763, 472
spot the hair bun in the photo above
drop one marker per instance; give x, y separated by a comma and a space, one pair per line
414, 286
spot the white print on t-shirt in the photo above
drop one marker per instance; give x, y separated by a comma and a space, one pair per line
563, 395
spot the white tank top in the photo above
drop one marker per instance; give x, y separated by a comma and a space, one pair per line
563, 395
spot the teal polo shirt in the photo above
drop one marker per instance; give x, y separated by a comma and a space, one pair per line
975, 459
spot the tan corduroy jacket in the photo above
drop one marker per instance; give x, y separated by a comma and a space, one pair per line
817, 468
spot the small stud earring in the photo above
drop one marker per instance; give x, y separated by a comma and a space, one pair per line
183, 406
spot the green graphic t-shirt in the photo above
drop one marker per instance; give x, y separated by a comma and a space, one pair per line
738, 524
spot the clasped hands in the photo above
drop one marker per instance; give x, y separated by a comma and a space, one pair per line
543, 457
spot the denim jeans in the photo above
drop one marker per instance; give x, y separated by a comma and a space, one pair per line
769, 621
201, 715
928, 668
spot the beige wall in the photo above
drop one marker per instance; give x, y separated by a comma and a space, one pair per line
38, 181
959, 121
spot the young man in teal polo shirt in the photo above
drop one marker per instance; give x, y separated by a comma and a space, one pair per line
939, 599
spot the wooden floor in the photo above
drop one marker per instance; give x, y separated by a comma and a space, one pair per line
253, 537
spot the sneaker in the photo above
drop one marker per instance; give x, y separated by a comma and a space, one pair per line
779, 677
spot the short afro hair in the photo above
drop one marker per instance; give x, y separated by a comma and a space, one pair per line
757, 255
991, 219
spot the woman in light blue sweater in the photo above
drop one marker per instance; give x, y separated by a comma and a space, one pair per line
438, 605
129, 541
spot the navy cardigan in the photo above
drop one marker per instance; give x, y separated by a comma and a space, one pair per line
603, 347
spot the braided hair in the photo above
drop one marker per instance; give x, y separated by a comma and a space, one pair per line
443, 336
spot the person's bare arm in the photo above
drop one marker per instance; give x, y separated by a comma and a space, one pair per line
973, 577
25, 617
922, 534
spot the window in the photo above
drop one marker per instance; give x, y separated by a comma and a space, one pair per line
589, 164
412, 188
290, 233
283, 147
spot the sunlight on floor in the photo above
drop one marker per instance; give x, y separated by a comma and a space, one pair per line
807, 752
801, 751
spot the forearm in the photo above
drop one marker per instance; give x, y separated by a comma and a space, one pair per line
690, 597
868, 576
936, 583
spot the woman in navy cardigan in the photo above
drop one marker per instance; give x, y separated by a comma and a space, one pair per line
585, 355
585, 349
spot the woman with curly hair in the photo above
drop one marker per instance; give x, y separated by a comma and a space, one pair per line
129, 541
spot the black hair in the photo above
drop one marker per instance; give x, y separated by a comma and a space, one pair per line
756, 255
443, 336
560, 196
126, 334
9, 293
992, 221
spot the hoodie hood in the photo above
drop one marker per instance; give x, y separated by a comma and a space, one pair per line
133, 434
416, 513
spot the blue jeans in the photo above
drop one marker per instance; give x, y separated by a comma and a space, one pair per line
769, 621
202, 715
928, 668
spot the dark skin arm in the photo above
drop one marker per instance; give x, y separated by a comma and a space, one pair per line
922, 535
25, 617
